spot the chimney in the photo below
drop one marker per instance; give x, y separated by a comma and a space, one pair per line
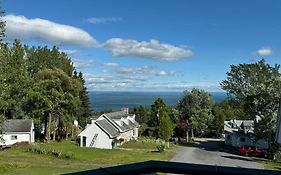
126, 110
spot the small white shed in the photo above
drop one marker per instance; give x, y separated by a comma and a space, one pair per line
17, 130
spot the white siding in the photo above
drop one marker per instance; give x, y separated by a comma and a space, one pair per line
21, 137
102, 140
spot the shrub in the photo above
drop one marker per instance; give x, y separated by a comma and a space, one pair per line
51, 152
160, 148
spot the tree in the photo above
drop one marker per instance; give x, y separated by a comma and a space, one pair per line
14, 80
2, 25
166, 127
54, 97
158, 108
195, 111
257, 87
85, 111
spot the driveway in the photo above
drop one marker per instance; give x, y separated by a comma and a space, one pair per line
210, 152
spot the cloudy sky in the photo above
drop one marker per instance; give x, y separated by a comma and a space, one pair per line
145, 45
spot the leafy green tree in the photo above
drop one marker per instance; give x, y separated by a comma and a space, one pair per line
166, 127
54, 96
39, 58
257, 87
158, 108
195, 111
142, 114
14, 80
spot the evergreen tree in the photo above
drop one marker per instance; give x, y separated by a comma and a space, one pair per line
86, 111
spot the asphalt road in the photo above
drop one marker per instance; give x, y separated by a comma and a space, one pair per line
211, 153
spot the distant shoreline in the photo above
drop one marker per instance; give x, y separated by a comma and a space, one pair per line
115, 100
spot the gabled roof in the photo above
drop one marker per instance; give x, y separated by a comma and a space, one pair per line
17, 125
107, 127
133, 125
116, 115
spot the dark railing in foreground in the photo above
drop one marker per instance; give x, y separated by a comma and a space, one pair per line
176, 168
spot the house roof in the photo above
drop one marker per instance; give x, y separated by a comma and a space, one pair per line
116, 115
17, 125
133, 125
106, 126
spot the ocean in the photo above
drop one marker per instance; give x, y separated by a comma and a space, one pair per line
116, 100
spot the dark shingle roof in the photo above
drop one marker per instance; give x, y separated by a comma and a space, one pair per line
116, 115
17, 125
108, 127
133, 125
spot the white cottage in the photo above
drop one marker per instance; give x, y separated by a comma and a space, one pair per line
108, 127
240, 133
17, 130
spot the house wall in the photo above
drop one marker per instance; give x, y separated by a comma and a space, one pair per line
21, 137
236, 141
102, 140
126, 136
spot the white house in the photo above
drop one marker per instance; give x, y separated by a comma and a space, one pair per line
240, 133
17, 130
107, 128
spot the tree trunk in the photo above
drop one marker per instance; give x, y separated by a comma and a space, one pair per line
192, 136
72, 131
66, 133
49, 127
187, 136
168, 144
54, 135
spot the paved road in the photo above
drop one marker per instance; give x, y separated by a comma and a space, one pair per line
210, 153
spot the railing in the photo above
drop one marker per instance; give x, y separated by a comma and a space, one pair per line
176, 168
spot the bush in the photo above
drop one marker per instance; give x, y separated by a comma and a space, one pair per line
160, 148
52, 152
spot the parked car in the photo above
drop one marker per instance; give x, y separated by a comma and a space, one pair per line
252, 151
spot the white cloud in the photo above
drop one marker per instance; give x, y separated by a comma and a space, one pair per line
20, 27
71, 52
143, 49
266, 51
96, 20
110, 64
146, 70
79, 63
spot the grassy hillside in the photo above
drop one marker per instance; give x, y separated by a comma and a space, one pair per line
21, 161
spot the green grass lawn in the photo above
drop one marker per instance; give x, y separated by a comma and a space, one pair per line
271, 165
20, 161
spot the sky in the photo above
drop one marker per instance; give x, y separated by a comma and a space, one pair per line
144, 45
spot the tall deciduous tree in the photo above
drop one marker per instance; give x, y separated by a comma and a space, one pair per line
195, 111
257, 87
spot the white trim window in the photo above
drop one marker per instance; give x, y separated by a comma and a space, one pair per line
14, 137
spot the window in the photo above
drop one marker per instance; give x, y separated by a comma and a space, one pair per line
14, 137
242, 139
84, 138
134, 132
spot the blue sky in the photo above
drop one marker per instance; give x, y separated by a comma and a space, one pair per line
145, 45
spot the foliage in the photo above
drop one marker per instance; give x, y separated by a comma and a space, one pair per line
166, 127
51, 152
257, 87
39, 83
195, 111
160, 148
2, 25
